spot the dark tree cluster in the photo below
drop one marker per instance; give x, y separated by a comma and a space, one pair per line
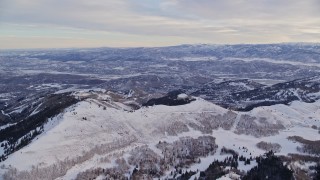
311, 147
217, 168
225, 150
317, 172
187, 150
186, 175
171, 99
109, 173
269, 167
245, 160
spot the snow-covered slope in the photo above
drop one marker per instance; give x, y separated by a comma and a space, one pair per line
82, 130
85, 125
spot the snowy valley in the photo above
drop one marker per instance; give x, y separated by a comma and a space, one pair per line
185, 112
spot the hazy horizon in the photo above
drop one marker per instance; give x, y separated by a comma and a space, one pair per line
164, 46
42, 24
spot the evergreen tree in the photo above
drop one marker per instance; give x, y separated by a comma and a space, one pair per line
317, 175
270, 167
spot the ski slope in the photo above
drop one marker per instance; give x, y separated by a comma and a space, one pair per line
95, 122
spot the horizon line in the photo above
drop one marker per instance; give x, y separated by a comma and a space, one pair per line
137, 47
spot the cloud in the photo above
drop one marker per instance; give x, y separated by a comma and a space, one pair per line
218, 21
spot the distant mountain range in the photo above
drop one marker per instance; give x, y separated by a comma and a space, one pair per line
180, 112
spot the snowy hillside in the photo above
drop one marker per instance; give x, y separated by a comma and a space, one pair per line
97, 133
181, 112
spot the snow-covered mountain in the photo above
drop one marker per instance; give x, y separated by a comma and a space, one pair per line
182, 112
246, 94
102, 129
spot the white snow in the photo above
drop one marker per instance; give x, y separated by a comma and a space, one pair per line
201, 58
5, 113
241, 84
182, 96
67, 135
230, 176
7, 125
119, 68
52, 85
35, 111
19, 109
130, 94
276, 61
4, 95
87, 124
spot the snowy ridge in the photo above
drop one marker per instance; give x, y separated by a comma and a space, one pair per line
95, 122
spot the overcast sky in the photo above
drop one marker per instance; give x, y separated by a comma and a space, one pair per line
130, 23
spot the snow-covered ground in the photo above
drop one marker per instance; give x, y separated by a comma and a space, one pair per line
95, 122
203, 58
275, 61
